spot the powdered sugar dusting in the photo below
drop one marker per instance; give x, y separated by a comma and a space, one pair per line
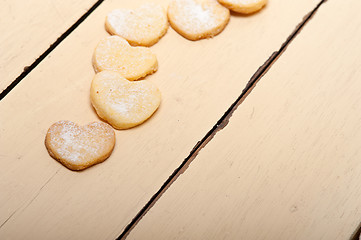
131, 101
193, 15
196, 16
115, 54
142, 25
80, 145
121, 102
121, 107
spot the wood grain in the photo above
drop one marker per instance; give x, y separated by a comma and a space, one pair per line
28, 28
287, 166
198, 81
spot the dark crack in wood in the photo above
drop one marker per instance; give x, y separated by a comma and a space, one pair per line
28, 69
221, 123
8, 219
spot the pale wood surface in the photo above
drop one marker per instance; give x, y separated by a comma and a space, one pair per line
287, 166
28, 28
198, 81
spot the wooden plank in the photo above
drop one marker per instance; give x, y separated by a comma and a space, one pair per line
287, 166
28, 28
198, 81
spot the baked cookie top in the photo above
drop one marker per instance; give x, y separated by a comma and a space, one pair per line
122, 103
197, 19
79, 147
143, 26
115, 54
244, 6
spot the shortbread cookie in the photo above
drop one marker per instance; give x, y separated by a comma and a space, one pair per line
122, 103
244, 6
197, 19
78, 147
115, 54
143, 26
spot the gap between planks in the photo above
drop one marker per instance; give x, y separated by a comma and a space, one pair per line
28, 69
356, 235
222, 123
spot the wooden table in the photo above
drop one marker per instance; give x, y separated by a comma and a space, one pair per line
258, 135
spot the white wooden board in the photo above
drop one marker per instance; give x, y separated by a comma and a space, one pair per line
288, 165
28, 28
198, 81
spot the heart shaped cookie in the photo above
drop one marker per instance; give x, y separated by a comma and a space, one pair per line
143, 26
122, 103
115, 54
197, 19
78, 147
244, 6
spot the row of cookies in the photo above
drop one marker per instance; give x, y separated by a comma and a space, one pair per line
193, 19
114, 93
117, 99
144, 26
